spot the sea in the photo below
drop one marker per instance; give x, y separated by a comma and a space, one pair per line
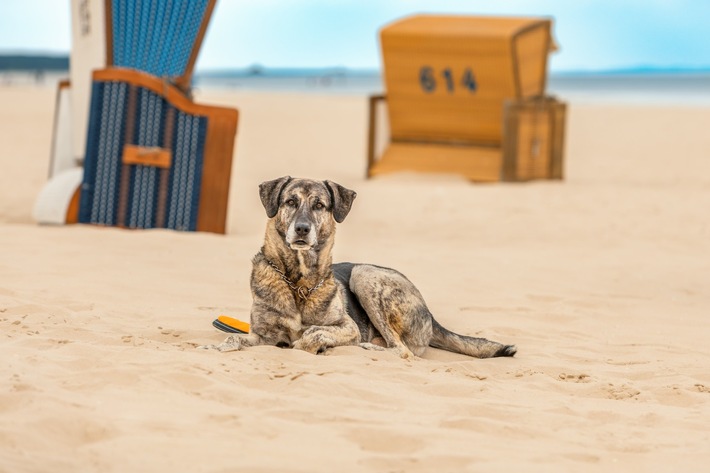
641, 87
670, 87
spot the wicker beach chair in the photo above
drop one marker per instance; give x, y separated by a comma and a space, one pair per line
141, 102
155, 36
154, 158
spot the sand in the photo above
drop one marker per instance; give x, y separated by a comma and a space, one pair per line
602, 281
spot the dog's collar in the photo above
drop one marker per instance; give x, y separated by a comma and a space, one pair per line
303, 291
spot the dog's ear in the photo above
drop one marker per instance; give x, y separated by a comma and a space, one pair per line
270, 193
342, 200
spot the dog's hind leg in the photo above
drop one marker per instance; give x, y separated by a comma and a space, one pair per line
395, 308
376, 344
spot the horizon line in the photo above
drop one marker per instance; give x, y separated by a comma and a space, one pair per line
256, 69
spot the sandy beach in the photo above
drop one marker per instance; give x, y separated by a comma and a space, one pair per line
602, 281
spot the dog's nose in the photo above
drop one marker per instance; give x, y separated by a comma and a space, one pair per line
302, 229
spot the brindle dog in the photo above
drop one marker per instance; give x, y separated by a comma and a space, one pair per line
303, 300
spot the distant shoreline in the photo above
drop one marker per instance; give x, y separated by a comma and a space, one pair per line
59, 63
633, 85
23, 63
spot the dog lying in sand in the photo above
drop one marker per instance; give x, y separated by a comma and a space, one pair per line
304, 301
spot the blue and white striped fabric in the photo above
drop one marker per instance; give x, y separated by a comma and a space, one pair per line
186, 173
150, 121
103, 166
156, 36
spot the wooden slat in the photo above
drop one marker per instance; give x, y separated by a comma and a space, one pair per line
216, 173
460, 25
534, 132
108, 13
152, 156
162, 204
125, 181
183, 82
372, 130
534, 141
482, 164
531, 56
444, 121
558, 140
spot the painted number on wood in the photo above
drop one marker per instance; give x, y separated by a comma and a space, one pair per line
429, 79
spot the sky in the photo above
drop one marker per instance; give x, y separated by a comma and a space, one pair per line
593, 34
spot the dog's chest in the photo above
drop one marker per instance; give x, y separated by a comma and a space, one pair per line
322, 309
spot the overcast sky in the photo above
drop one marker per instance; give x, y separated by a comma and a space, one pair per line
593, 34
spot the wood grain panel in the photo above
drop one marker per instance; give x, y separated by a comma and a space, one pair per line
482, 164
447, 77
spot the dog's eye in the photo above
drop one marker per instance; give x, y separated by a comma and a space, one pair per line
291, 203
319, 206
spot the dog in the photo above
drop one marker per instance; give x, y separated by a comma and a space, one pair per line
302, 300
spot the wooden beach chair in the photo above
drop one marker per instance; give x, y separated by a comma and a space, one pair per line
144, 42
466, 95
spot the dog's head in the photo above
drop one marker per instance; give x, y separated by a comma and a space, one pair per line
305, 211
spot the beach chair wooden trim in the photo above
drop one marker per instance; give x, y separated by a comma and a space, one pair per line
534, 133
73, 209
165, 89
147, 156
108, 19
108, 30
219, 137
546, 25
558, 140
182, 81
372, 131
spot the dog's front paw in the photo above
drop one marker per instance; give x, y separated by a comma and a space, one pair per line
314, 342
372, 346
309, 346
231, 343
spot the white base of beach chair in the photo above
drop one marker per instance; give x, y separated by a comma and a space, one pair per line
62, 150
52, 204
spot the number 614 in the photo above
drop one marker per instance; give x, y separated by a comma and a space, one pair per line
428, 79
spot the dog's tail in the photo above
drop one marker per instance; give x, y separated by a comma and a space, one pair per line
478, 347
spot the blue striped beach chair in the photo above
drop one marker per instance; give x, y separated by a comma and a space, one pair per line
154, 158
160, 37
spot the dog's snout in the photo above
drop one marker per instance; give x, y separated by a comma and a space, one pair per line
302, 228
